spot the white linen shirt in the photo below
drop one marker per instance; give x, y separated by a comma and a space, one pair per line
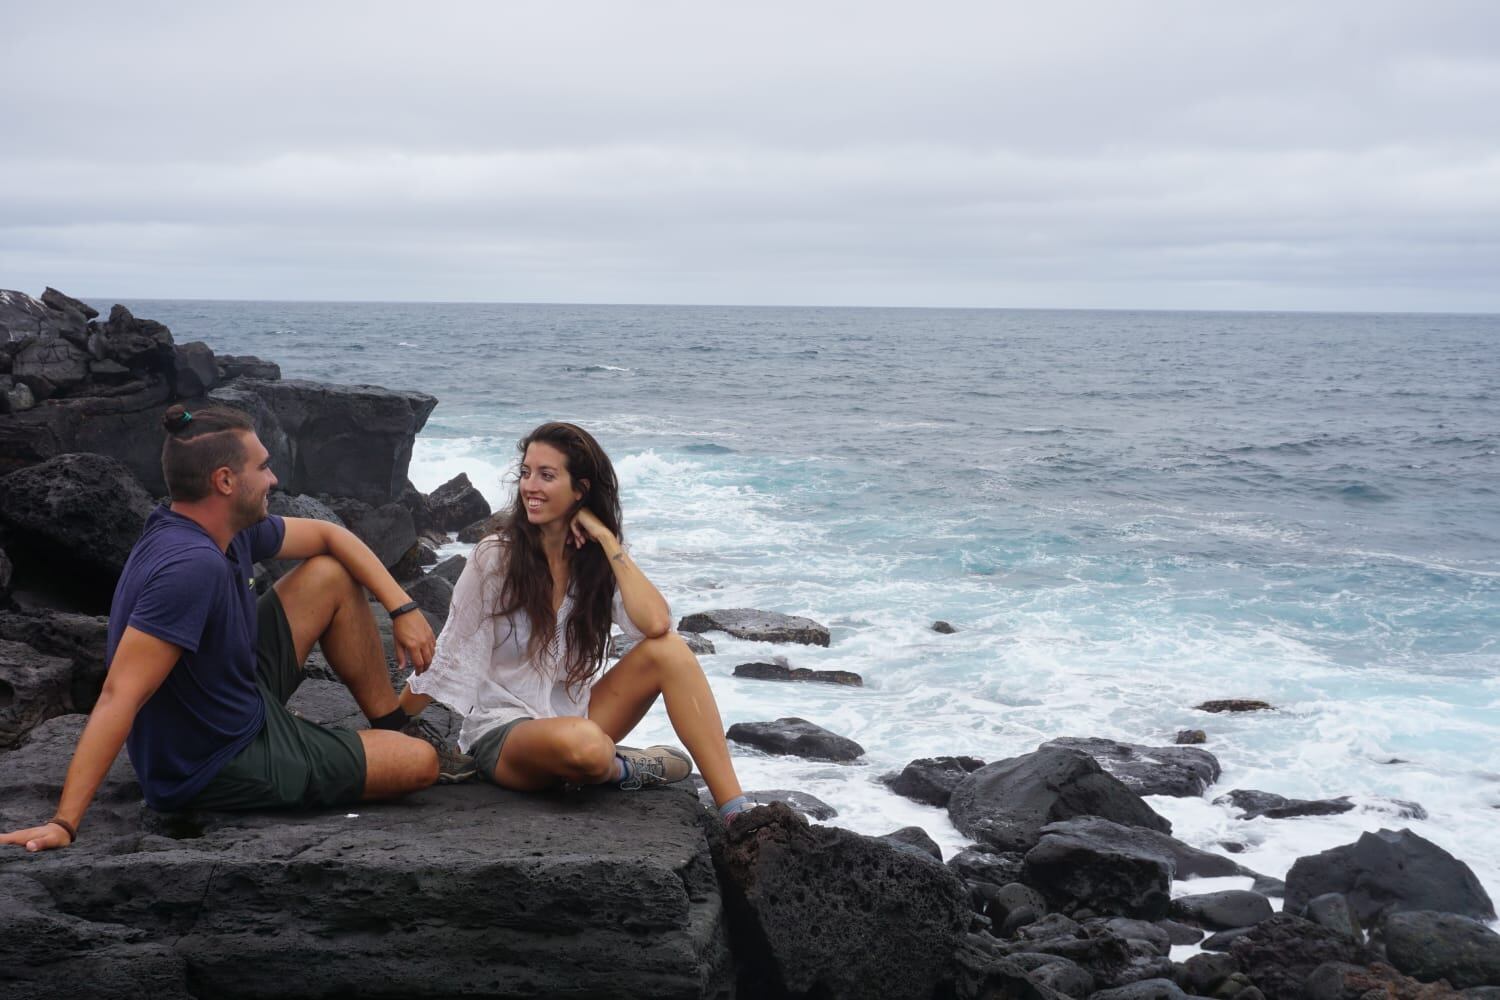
482, 667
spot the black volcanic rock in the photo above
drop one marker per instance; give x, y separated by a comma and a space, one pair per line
820, 911
458, 890
233, 366
1077, 866
758, 626
932, 779
1223, 910
1178, 771
1005, 804
33, 688
1280, 954
795, 737
341, 440
456, 504
1386, 872
1253, 804
785, 672
619, 644
79, 639
1234, 705
1429, 946
70, 523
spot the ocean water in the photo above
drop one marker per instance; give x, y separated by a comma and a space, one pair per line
1123, 513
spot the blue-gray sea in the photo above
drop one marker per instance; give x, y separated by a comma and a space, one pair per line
1123, 513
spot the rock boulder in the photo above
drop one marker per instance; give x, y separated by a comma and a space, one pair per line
1183, 772
757, 626
1005, 804
1386, 872
795, 737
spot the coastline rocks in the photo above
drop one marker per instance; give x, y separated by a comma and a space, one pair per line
1005, 804
530, 895
757, 626
1190, 737
1378, 981
820, 911
1234, 705
1253, 804
455, 505
388, 529
784, 672
1331, 910
932, 779
33, 688
809, 807
1222, 911
232, 366
451, 569
997, 869
1280, 954
1177, 771
344, 440
913, 838
1428, 946
79, 639
1085, 866
942, 628
1386, 872
795, 737
69, 524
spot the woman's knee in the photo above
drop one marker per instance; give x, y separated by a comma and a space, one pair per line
585, 751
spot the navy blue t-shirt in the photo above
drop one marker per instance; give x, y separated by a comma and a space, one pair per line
178, 587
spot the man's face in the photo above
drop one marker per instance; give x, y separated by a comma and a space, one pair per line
253, 482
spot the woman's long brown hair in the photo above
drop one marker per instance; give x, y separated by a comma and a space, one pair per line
528, 580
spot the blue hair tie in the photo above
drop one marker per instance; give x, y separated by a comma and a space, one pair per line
186, 416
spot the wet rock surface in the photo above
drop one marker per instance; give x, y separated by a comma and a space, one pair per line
932, 779
784, 672
1174, 770
1386, 872
757, 626
795, 737
1005, 804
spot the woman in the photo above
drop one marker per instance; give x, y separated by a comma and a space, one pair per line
528, 630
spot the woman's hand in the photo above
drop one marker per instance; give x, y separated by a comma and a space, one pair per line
585, 528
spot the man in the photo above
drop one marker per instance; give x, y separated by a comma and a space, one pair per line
200, 670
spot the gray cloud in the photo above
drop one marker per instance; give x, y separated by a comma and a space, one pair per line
1338, 155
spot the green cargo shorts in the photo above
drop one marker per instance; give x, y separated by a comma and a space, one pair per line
291, 763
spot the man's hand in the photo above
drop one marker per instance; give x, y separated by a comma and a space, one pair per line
38, 838
414, 640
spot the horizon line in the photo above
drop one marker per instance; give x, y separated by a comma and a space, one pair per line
742, 305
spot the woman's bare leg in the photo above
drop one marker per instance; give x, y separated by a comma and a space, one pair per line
665, 666
543, 753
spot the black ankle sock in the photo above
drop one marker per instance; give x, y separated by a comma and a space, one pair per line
395, 721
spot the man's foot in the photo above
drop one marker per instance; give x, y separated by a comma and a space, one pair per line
453, 765
653, 766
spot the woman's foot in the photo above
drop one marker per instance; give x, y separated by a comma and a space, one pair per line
658, 765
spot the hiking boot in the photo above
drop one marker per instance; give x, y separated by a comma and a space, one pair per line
453, 765
654, 766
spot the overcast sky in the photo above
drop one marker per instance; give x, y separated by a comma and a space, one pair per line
1304, 155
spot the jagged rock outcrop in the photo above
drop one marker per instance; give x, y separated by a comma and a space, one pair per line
1386, 872
932, 779
1005, 804
819, 911
1178, 771
69, 524
343, 440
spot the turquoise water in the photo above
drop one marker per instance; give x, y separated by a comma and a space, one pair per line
1123, 513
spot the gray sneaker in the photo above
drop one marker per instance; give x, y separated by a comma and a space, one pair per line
453, 765
652, 766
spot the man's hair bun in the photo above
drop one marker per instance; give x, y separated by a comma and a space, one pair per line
176, 418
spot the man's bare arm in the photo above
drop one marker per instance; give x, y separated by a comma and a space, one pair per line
142, 662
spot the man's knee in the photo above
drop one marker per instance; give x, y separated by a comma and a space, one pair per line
325, 573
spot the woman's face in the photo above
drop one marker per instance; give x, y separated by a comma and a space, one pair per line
547, 490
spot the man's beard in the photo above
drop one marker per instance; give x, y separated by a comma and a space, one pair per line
248, 508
